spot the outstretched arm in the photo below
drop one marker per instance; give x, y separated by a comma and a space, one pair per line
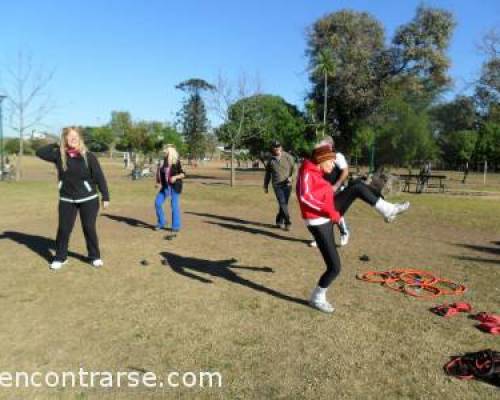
49, 152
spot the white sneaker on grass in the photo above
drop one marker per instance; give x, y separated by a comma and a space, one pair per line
313, 243
55, 265
322, 306
97, 263
318, 300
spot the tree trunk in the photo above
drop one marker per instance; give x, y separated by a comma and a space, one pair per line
233, 172
325, 105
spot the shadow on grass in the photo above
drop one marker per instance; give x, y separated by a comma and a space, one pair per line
215, 183
129, 221
484, 249
190, 266
207, 177
38, 244
478, 259
255, 231
232, 219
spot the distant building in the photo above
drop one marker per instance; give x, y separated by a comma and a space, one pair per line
38, 135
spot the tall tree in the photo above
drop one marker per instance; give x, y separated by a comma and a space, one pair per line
326, 68
266, 118
121, 125
353, 42
28, 101
194, 116
367, 70
224, 96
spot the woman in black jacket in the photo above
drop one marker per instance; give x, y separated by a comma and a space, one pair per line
79, 175
169, 175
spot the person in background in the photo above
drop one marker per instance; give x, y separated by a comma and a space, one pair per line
169, 176
466, 172
80, 175
424, 175
279, 170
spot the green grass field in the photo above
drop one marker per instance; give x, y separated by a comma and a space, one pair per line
231, 296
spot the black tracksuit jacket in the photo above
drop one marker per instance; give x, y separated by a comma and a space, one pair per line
82, 177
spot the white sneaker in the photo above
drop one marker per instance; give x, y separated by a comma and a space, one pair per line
55, 265
313, 244
344, 239
398, 209
322, 306
97, 263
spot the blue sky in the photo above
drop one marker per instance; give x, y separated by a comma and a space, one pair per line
129, 55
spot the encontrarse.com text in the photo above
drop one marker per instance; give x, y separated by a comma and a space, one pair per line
104, 379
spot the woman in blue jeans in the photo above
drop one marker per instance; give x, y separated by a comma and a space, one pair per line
169, 175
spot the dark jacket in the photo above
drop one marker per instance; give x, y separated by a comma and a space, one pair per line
162, 179
82, 177
279, 170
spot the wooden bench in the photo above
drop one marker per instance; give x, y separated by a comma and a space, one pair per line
422, 183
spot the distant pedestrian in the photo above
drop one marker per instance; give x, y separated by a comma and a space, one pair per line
169, 176
279, 170
466, 172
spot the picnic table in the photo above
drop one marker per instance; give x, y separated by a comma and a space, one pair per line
422, 182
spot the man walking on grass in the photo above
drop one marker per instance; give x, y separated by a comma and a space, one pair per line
279, 170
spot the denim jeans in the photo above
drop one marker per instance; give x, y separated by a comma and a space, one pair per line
175, 199
282, 192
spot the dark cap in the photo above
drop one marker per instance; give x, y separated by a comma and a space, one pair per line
275, 144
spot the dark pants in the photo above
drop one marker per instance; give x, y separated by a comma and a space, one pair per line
67, 216
358, 190
282, 192
323, 235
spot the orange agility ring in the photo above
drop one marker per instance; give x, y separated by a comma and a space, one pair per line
418, 276
422, 291
449, 287
376, 277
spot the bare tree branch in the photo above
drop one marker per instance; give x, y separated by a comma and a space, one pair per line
28, 103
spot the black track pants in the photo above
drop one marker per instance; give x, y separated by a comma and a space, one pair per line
88, 217
358, 190
323, 235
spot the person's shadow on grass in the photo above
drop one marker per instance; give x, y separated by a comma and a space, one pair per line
231, 219
38, 244
255, 231
190, 266
129, 221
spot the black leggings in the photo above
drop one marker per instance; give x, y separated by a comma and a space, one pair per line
357, 190
323, 235
67, 216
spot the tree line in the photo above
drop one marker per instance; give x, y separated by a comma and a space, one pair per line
382, 99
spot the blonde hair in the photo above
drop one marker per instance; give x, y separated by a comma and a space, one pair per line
63, 147
171, 154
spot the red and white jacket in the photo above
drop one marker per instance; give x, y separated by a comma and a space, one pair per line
315, 195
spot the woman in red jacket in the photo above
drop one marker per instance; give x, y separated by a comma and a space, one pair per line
321, 209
